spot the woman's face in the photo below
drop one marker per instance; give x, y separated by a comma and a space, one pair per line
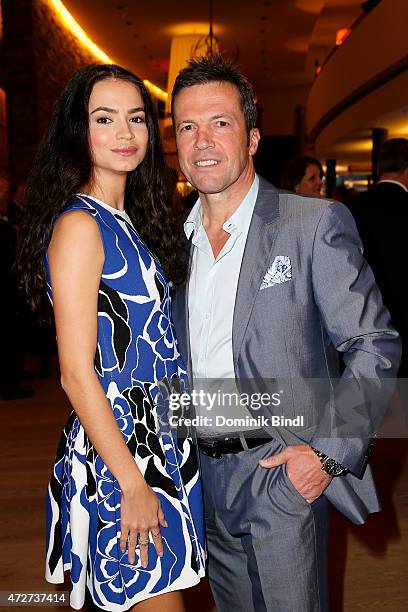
311, 182
118, 134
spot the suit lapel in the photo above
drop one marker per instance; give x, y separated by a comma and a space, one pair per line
255, 260
186, 316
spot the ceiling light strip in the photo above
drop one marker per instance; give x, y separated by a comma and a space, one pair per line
69, 22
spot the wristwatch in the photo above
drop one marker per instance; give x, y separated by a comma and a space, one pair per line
329, 465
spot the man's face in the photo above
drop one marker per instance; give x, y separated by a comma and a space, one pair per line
212, 139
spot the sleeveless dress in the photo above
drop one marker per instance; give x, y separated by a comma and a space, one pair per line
136, 354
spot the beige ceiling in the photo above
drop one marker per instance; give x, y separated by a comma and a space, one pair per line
275, 41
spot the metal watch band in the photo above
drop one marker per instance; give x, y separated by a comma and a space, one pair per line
329, 466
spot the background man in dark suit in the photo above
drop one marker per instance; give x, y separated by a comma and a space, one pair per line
381, 215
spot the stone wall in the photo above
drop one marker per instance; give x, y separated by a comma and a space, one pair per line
39, 57
57, 56
19, 85
4, 162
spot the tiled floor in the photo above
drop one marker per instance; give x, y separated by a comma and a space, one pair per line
368, 565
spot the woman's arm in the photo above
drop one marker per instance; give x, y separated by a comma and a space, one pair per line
76, 259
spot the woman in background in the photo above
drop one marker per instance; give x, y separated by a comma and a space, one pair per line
303, 175
124, 502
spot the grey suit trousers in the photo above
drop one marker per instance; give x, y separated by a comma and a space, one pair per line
267, 546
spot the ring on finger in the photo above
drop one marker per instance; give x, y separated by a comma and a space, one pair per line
143, 542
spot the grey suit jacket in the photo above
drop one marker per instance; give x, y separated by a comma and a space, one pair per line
293, 331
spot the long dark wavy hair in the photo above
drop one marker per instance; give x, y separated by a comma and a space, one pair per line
63, 166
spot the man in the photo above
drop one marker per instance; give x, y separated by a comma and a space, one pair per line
275, 286
381, 215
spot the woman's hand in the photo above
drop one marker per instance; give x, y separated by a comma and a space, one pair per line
141, 514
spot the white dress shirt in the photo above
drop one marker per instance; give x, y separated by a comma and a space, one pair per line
211, 299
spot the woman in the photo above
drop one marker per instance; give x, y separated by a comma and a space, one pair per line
124, 501
303, 175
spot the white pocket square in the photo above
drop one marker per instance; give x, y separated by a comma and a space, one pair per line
279, 272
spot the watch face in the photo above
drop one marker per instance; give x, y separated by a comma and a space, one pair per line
332, 468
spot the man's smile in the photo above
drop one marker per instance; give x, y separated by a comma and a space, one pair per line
203, 163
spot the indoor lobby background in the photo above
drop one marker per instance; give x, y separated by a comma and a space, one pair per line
331, 81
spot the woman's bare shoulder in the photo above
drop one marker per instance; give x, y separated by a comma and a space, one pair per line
79, 232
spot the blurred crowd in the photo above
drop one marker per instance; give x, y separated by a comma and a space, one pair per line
22, 337
381, 216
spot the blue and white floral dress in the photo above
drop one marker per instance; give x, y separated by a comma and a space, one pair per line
136, 356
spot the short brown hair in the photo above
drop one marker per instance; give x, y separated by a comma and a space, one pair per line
203, 70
